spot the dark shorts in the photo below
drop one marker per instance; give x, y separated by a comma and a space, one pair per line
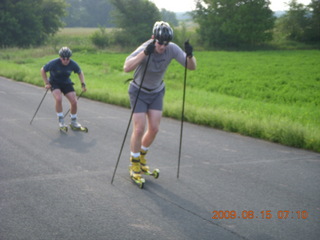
146, 101
65, 88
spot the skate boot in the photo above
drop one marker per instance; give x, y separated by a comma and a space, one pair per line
77, 126
135, 171
63, 127
74, 123
61, 122
143, 161
145, 168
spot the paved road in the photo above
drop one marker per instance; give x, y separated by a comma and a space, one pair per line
58, 186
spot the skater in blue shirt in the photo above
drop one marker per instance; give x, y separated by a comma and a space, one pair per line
148, 110
60, 83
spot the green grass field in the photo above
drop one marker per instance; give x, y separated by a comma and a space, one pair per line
272, 95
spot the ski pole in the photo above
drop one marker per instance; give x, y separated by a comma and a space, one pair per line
134, 106
64, 115
39, 105
182, 113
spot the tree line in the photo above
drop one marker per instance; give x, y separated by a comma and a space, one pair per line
220, 23
95, 13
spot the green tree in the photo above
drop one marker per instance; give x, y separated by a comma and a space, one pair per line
169, 17
75, 13
136, 19
233, 23
100, 38
313, 32
294, 22
88, 13
29, 22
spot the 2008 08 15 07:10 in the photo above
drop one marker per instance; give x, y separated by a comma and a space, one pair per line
264, 214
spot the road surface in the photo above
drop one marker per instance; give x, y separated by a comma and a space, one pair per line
58, 186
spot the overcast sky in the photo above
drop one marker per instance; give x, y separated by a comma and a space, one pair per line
189, 5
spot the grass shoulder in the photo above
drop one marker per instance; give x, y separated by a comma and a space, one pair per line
272, 95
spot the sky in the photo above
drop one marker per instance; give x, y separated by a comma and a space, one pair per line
189, 5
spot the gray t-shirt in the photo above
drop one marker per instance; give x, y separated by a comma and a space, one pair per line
158, 64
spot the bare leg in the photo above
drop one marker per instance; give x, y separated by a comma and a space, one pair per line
58, 98
139, 123
154, 117
72, 97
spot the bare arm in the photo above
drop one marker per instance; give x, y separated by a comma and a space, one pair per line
132, 63
83, 84
45, 78
191, 63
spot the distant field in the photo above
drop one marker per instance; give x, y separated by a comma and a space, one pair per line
273, 95
77, 31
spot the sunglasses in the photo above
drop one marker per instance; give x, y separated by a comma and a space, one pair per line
65, 58
163, 43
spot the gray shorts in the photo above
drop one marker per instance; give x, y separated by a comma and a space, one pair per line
145, 101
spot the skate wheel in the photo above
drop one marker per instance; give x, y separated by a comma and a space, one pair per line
156, 173
64, 129
141, 184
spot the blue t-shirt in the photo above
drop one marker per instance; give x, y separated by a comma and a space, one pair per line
60, 73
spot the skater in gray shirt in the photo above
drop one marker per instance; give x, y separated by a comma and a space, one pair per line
148, 109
